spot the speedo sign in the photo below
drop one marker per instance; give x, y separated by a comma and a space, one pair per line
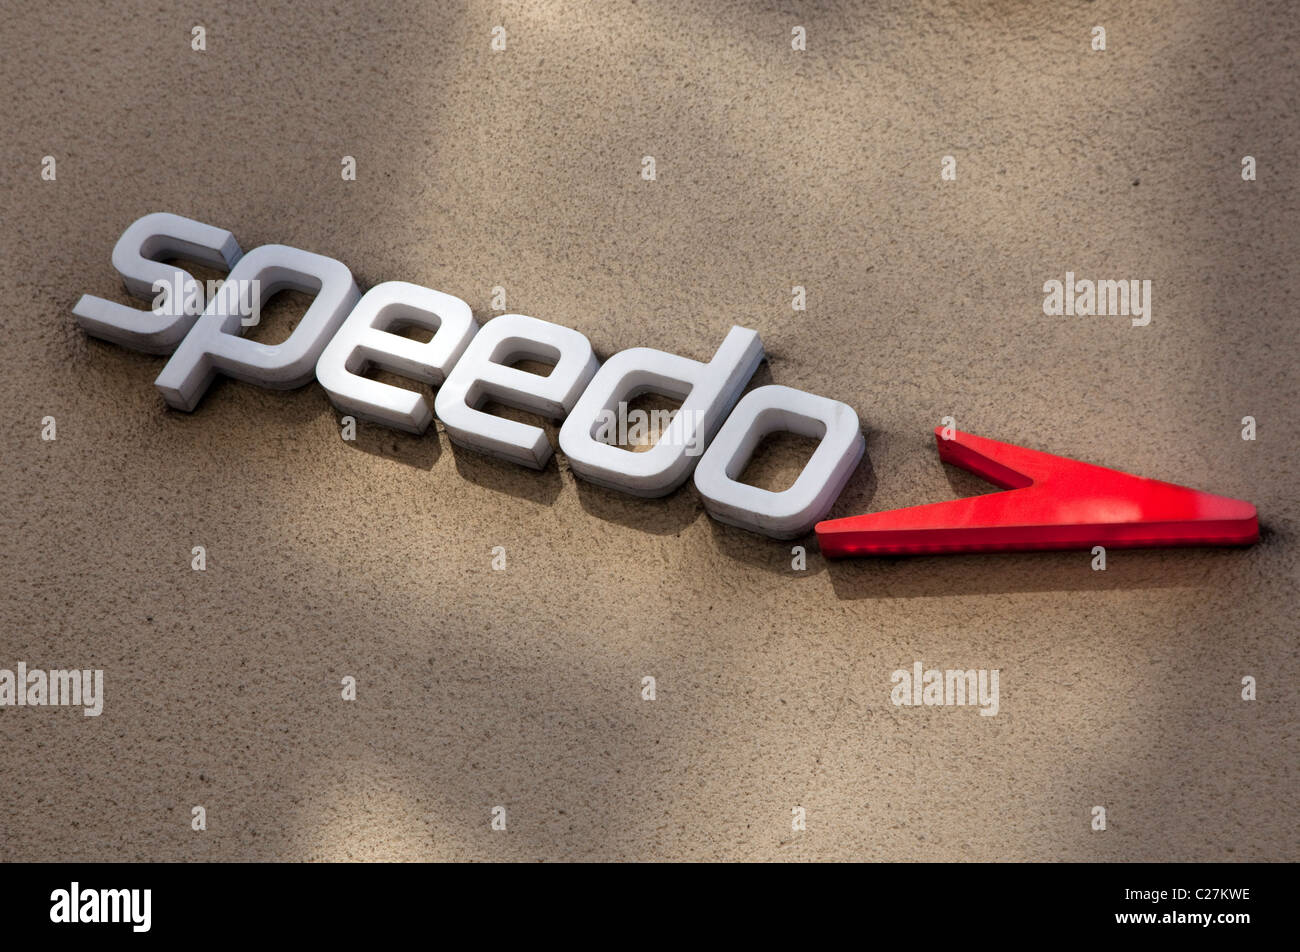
1048, 502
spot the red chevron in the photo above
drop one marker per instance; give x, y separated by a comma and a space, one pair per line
1049, 502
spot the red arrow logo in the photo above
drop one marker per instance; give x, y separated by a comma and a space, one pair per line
1050, 502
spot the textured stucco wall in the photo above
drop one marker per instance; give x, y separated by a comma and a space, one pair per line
775, 168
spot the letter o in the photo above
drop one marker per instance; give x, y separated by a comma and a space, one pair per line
794, 511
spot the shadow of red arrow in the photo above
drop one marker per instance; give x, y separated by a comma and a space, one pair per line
1049, 502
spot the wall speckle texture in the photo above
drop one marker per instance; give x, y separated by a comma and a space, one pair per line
325, 558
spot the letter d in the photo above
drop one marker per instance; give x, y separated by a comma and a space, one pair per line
707, 391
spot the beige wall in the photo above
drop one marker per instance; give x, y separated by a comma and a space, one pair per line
475, 169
